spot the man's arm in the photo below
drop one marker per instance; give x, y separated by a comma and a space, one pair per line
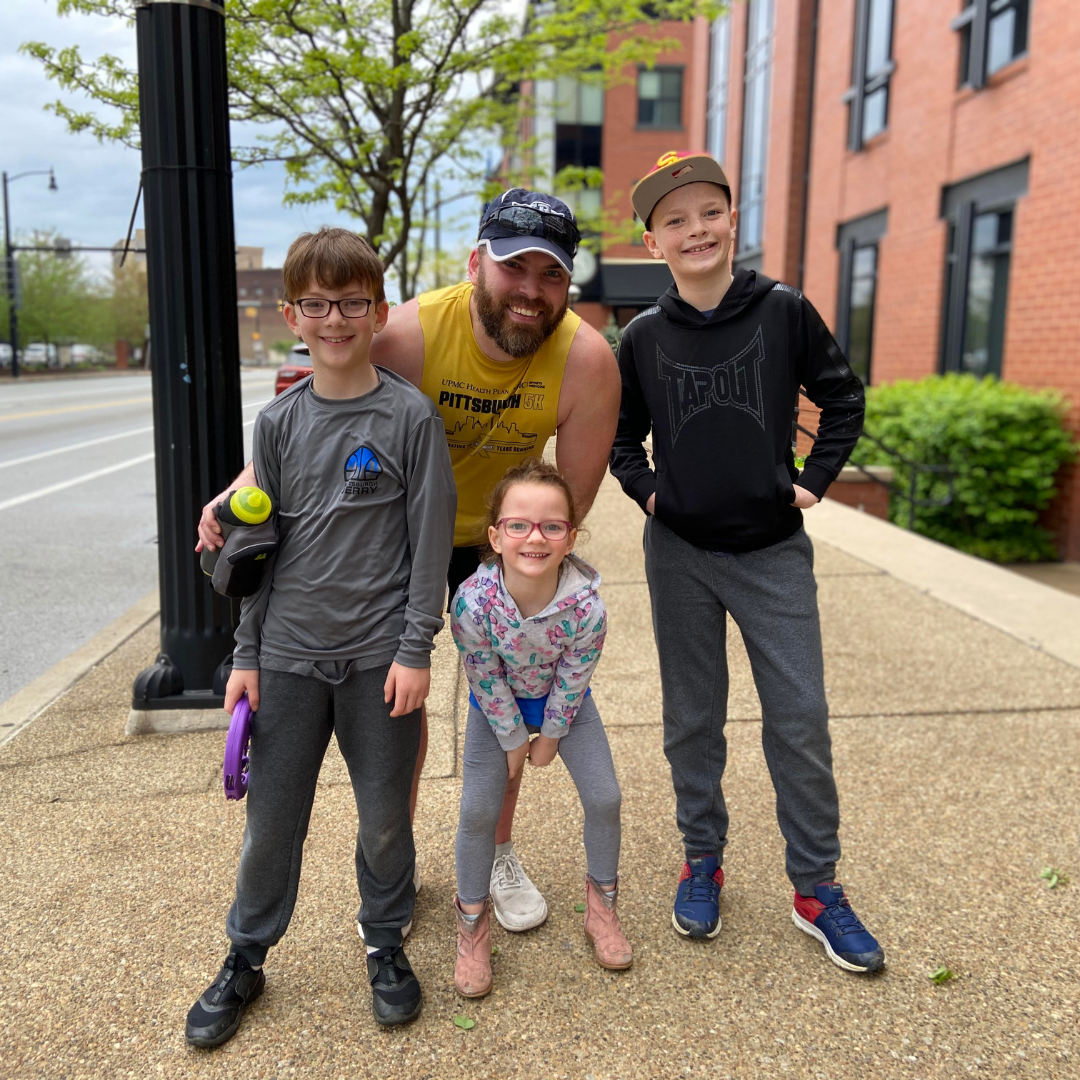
588, 413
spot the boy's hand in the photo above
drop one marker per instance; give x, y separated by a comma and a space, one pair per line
542, 750
241, 682
516, 758
804, 499
650, 506
406, 687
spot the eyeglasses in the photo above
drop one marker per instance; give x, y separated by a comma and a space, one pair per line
525, 221
317, 308
522, 528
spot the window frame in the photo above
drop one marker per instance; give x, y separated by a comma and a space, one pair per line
757, 62
852, 236
862, 87
975, 19
961, 203
662, 69
716, 111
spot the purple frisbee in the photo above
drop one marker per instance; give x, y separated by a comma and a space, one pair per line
235, 770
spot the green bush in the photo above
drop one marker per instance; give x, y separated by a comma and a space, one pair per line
1004, 443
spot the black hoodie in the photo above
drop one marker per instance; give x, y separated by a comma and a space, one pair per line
719, 395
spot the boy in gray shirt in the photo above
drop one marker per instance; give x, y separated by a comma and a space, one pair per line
339, 638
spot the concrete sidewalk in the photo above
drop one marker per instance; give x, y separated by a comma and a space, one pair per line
957, 751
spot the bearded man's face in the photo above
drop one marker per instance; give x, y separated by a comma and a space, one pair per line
521, 301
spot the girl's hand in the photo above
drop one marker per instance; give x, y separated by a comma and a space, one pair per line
241, 682
542, 750
406, 687
804, 499
515, 759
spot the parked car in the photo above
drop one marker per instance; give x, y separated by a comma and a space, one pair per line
40, 354
85, 354
294, 369
5, 354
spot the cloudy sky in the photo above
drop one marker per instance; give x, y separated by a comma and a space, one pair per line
97, 182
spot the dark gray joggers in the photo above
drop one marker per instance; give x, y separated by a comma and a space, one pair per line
289, 736
772, 596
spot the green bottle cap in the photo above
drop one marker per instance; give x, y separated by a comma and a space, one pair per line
251, 505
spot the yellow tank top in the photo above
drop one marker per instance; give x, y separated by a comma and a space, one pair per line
496, 413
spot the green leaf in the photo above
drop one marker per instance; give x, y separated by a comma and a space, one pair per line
464, 1023
941, 975
494, 950
579, 907
1053, 877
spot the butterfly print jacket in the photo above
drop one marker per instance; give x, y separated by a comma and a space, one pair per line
551, 654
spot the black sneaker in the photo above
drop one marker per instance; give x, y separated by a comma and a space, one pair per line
214, 1018
395, 991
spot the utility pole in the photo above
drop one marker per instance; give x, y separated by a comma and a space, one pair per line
191, 280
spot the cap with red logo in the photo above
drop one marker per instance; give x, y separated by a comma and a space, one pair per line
675, 169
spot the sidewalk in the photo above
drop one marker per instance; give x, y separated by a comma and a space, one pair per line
957, 752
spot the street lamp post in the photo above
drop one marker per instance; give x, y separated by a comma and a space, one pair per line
191, 282
9, 263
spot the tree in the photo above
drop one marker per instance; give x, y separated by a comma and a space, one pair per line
365, 100
129, 306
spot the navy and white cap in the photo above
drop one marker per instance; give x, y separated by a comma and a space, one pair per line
518, 220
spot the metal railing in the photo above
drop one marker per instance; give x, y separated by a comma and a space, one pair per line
910, 496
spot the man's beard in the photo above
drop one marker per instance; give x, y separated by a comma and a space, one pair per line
513, 338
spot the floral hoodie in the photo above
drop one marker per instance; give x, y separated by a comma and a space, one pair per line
552, 653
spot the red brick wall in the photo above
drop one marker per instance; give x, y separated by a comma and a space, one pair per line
936, 136
628, 152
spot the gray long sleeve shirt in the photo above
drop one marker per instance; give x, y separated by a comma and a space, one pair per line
365, 503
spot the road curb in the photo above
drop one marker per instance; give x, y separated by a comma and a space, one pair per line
28, 703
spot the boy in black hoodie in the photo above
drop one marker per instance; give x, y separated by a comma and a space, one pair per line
714, 370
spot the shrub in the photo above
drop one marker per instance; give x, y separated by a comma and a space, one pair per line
1004, 443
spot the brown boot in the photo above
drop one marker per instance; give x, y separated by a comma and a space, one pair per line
603, 929
472, 971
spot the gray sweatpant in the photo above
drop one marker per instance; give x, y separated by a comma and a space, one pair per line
289, 736
587, 756
772, 596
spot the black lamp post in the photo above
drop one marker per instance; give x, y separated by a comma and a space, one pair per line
191, 281
9, 263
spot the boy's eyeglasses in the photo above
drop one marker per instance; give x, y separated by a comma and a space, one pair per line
522, 528
525, 221
317, 308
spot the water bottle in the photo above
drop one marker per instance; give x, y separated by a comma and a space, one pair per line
247, 506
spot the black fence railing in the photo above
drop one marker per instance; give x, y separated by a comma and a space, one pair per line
910, 493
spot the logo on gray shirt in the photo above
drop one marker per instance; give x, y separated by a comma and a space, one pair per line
362, 472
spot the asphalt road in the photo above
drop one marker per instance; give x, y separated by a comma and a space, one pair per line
78, 515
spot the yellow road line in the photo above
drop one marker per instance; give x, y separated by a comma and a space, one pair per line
74, 408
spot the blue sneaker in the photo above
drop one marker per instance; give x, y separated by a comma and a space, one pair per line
697, 900
827, 916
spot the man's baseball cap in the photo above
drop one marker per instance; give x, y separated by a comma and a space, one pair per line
520, 220
674, 170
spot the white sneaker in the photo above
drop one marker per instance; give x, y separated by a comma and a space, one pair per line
408, 926
517, 901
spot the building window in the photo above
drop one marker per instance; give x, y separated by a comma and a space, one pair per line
993, 33
858, 244
579, 126
871, 68
755, 133
660, 98
719, 66
980, 216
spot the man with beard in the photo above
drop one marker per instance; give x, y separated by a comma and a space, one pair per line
508, 365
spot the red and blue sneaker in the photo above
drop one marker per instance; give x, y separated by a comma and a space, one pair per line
697, 900
828, 916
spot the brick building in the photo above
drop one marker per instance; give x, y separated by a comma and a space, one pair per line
909, 164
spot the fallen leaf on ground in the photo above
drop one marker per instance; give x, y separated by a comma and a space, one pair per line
464, 1023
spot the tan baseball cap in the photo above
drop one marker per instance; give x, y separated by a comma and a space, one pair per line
675, 169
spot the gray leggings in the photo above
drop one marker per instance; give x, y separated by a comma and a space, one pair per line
587, 756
